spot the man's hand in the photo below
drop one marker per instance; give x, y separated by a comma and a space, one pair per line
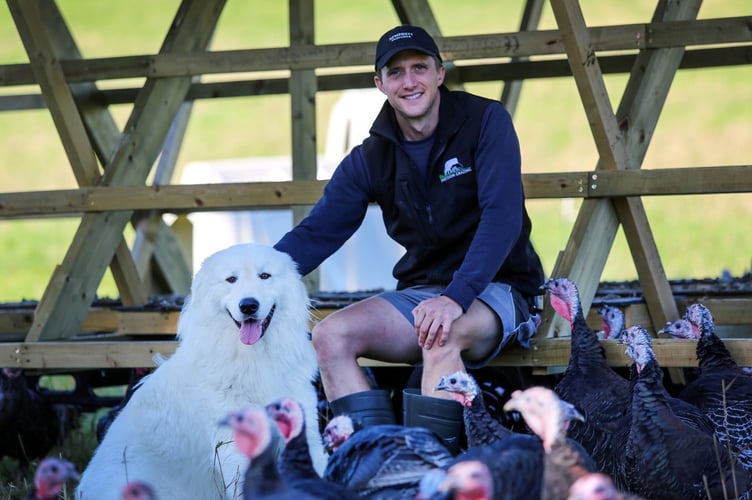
433, 320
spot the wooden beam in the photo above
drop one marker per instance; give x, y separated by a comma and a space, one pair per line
727, 312
184, 198
104, 135
510, 94
543, 352
516, 69
514, 44
49, 75
156, 250
590, 84
614, 153
38, 23
72, 355
73, 285
303, 109
584, 257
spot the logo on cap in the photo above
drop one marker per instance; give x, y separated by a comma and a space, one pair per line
400, 35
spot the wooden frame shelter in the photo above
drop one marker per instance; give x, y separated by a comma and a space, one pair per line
112, 166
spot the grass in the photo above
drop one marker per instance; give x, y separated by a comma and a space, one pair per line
705, 121
77, 448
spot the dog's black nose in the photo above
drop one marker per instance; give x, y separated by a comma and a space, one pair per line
249, 306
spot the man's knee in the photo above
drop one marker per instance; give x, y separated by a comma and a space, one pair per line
329, 339
436, 355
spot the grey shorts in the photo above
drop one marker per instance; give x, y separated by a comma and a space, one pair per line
514, 311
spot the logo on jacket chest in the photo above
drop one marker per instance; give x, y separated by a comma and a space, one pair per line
453, 168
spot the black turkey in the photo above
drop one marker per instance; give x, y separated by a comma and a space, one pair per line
549, 417
480, 427
338, 430
30, 424
664, 457
50, 477
723, 391
295, 464
382, 461
612, 321
258, 438
599, 393
514, 459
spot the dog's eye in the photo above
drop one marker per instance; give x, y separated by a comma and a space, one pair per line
265, 276
231, 279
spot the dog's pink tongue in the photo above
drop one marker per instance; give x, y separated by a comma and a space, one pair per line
250, 332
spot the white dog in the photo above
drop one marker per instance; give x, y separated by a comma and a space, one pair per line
243, 340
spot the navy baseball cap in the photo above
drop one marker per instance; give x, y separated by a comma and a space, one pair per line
401, 38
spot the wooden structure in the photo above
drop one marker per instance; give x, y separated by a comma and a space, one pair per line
111, 165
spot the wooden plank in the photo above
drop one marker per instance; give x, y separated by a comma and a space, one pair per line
303, 113
302, 95
50, 78
45, 355
147, 323
584, 257
590, 84
657, 182
613, 152
727, 311
156, 251
38, 23
671, 353
510, 93
211, 197
544, 42
515, 69
513, 44
73, 284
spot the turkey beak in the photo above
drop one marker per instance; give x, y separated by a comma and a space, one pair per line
447, 485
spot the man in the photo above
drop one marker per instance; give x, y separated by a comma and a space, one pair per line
444, 167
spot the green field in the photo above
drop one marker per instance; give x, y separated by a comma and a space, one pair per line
707, 120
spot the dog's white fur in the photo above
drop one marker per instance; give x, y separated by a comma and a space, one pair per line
168, 434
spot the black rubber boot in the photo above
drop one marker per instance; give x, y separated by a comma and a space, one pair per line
442, 416
369, 407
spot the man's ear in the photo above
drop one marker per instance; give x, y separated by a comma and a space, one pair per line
377, 81
441, 74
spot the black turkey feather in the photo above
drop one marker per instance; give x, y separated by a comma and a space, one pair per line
664, 457
257, 437
599, 393
514, 459
723, 391
383, 461
295, 463
30, 424
549, 417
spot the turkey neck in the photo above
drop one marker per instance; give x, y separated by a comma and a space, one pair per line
262, 476
481, 428
585, 347
713, 355
296, 459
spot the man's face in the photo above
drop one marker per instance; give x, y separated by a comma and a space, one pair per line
411, 81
